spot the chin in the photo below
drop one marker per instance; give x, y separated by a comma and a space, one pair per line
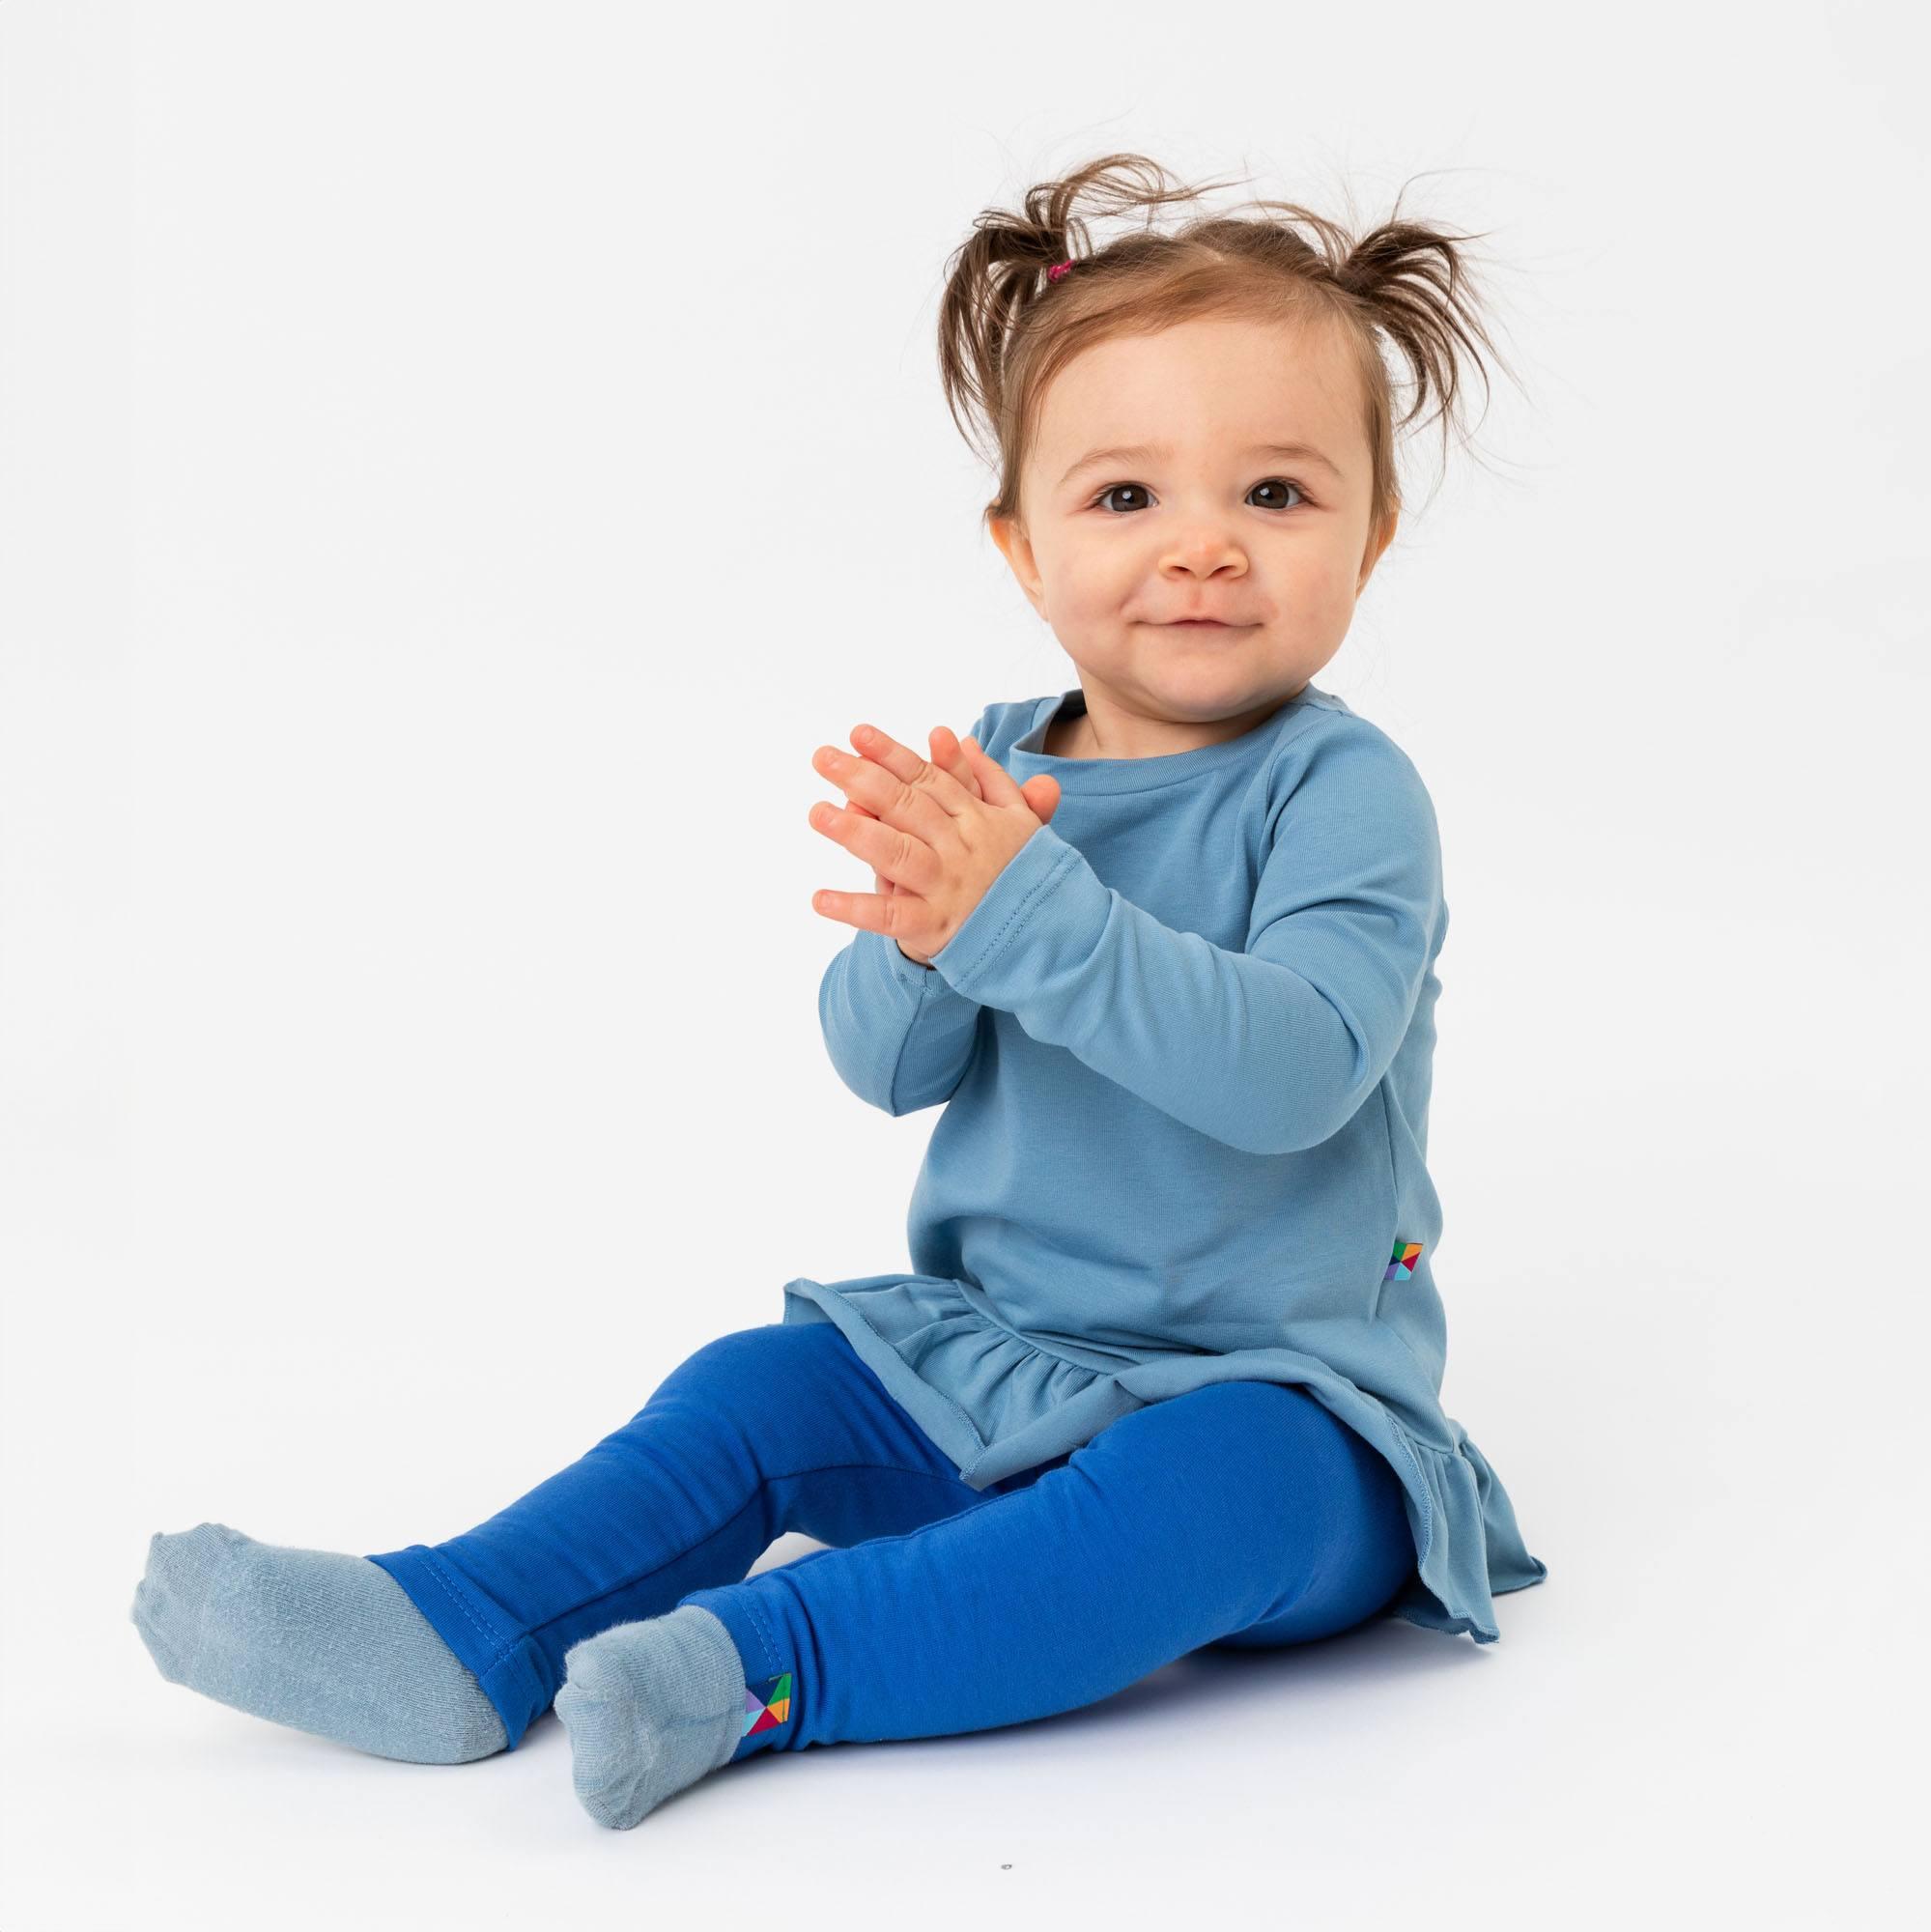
1230, 685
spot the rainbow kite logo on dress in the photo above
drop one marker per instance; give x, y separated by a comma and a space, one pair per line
768, 1706
1403, 1267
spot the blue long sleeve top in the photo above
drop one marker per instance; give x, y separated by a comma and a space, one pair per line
1183, 1045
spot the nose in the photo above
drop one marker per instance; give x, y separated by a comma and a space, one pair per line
1207, 557
1204, 550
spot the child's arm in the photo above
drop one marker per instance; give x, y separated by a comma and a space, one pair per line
1271, 1049
901, 1037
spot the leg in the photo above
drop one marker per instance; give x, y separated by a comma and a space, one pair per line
1239, 1507
444, 1653
762, 1431
1242, 1506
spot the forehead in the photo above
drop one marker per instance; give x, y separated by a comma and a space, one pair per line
1209, 383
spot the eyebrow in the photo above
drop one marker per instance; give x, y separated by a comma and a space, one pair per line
1296, 452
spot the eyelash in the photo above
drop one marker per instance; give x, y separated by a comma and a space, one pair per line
1279, 510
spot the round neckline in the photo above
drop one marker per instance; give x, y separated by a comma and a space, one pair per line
1116, 775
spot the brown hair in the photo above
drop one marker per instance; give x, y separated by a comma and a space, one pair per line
1006, 327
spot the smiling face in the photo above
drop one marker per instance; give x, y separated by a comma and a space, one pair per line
1199, 519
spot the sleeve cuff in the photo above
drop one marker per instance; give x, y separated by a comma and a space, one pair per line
885, 961
1040, 918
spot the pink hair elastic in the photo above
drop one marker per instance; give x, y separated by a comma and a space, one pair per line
1058, 269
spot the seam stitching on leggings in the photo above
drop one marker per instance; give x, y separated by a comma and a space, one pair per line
816, 1468
764, 1636
883, 1468
503, 1648
637, 1576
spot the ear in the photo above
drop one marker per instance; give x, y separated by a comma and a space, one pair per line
1017, 548
1374, 549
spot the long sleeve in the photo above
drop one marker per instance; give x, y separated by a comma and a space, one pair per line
1271, 1049
899, 1037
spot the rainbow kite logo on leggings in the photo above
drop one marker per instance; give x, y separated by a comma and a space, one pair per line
767, 1705
1403, 1265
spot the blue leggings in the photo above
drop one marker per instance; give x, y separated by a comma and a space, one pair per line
1239, 1514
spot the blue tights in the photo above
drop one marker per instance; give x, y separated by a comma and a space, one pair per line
1239, 1514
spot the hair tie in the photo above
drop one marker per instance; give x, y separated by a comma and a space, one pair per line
1058, 269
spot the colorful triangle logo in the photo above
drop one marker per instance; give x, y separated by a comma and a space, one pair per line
768, 1705
1401, 1263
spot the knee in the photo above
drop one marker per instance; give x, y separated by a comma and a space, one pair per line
771, 1347
758, 1370
1319, 1493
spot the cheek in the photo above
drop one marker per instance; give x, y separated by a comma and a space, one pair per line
1100, 579
1317, 589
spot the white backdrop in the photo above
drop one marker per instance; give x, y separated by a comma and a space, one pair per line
456, 462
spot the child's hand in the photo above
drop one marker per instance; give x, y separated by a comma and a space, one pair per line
944, 751
936, 832
1041, 794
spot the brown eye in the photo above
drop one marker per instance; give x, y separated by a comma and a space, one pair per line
1281, 483
1272, 483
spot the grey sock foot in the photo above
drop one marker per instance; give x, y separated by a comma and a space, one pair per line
650, 1707
313, 1638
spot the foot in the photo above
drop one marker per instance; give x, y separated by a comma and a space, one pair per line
324, 1642
650, 1707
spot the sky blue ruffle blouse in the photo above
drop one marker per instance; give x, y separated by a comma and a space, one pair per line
1185, 1047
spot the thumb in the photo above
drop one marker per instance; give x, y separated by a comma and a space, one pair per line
1042, 795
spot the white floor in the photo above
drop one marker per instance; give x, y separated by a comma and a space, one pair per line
1655, 1737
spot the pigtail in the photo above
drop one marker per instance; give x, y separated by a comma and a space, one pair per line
1004, 267
1414, 284
992, 278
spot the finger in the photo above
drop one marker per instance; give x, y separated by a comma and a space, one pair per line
904, 859
947, 757
911, 805
903, 762
946, 752
866, 911
1042, 794
879, 883
999, 788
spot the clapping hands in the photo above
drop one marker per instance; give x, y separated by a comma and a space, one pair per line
936, 832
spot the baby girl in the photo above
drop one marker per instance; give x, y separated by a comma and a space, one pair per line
1166, 1371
